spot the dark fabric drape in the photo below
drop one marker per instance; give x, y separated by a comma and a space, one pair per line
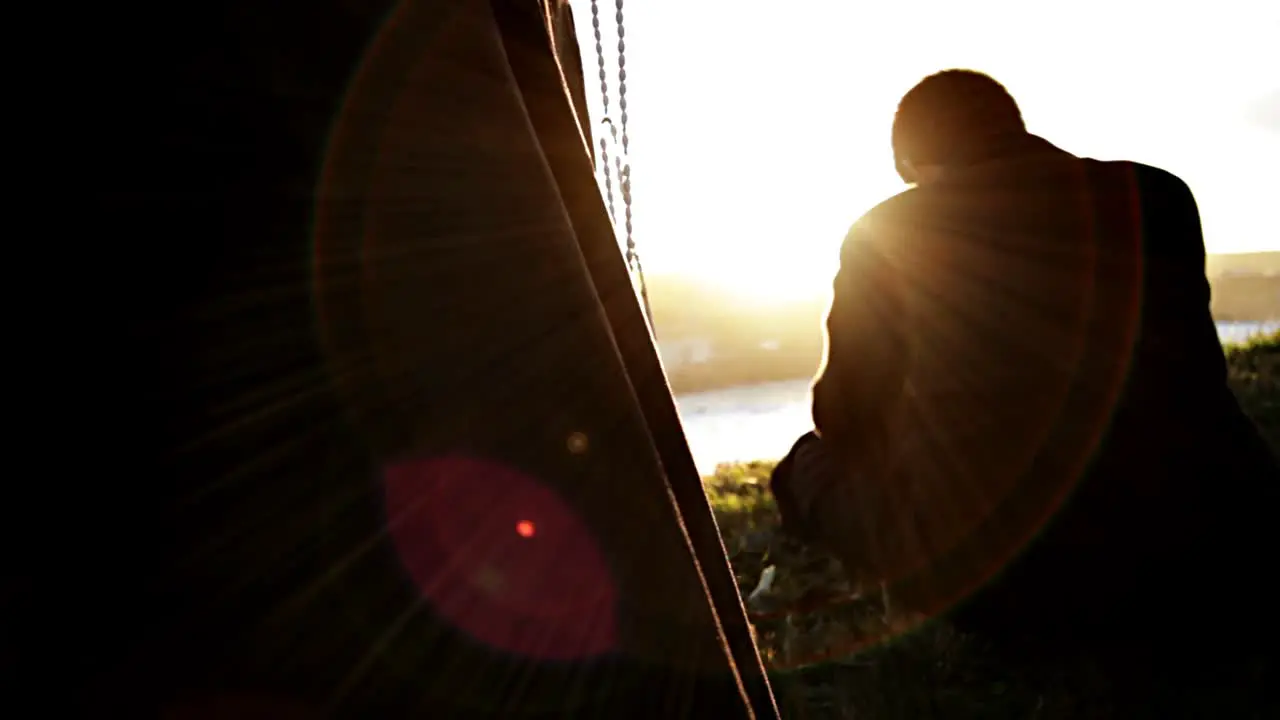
546, 73
357, 309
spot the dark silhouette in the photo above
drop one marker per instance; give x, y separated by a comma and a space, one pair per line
355, 412
1024, 399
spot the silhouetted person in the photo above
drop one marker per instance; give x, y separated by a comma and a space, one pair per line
1025, 400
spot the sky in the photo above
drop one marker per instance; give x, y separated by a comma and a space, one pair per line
760, 130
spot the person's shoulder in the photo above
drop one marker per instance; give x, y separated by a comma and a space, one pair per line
886, 217
896, 209
881, 230
1149, 179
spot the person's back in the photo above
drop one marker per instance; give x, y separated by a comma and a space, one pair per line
1024, 380
1062, 359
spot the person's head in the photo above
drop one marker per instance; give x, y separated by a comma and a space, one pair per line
954, 117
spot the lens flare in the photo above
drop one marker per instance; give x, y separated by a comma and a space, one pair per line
450, 520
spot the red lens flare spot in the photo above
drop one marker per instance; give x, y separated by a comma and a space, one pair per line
450, 519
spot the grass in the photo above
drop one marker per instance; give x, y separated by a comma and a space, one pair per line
823, 639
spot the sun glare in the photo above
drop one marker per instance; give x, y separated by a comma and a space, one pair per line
748, 167
783, 285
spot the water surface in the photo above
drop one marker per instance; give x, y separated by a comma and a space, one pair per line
755, 422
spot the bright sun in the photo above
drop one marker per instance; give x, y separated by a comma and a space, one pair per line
787, 279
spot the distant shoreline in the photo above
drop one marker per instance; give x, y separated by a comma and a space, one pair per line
747, 370
714, 381
710, 340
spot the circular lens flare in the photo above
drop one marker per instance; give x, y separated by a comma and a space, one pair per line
450, 520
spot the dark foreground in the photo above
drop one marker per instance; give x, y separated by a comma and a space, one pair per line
823, 638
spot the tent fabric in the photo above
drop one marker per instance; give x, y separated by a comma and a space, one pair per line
537, 66
542, 331
374, 414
